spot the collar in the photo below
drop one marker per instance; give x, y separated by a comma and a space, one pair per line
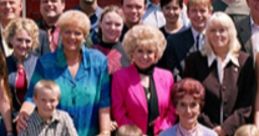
40, 121
98, 11
195, 33
229, 58
188, 132
61, 59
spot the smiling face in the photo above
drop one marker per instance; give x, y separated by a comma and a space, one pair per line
144, 57
46, 101
198, 15
51, 8
9, 9
111, 27
72, 38
172, 12
133, 11
218, 37
188, 110
21, 43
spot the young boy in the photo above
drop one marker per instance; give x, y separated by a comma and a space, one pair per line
46, 120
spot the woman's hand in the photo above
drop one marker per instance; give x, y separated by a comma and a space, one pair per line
23, 116
21, 121
219, 131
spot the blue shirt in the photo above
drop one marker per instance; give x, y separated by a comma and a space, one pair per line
81, 96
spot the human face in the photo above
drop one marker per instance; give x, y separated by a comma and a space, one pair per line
199, 14
133, 11
9, 9
51, 8
172, 12
111, 27
144, 57
188, 110
254, 9
218, 37
72, 38
46, 101
22, 44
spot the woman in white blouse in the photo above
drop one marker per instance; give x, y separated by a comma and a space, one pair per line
227, 74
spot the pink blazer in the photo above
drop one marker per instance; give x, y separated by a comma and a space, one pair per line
129, 104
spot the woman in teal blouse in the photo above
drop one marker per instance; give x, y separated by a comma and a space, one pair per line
82, 76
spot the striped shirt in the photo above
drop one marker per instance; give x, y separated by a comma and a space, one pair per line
60, 125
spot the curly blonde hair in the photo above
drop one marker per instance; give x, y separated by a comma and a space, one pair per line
144, 36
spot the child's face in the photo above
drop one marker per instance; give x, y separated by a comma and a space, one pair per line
46, 101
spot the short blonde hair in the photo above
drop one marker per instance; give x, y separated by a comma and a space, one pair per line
247, 130
46, 84
20, 24
129, 130
75, 18
224, 20
144, 36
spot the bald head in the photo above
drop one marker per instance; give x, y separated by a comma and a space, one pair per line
9, 9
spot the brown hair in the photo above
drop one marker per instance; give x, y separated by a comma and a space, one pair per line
4, 79
199, 2
129, 130
188, 86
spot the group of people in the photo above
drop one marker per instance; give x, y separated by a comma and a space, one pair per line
195, 75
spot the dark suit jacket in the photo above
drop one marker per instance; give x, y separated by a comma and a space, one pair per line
43, 43
233, 98
29, 65
178, 48
244, 32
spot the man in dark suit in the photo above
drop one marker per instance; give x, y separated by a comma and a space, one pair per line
49, 35
248, 27
180, 45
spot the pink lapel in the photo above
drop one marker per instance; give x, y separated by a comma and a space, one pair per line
160, 94
137, 89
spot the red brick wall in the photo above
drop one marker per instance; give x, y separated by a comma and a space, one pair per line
32, 6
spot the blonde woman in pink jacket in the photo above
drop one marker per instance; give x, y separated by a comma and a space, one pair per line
140, 92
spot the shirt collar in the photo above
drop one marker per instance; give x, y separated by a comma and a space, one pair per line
40, 121
61, 59
195, 33
230, 57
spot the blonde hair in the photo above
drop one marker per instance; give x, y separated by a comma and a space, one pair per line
20, 24
46, 84
144, 36
247, 130
129, 130
224, 20
74, 18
